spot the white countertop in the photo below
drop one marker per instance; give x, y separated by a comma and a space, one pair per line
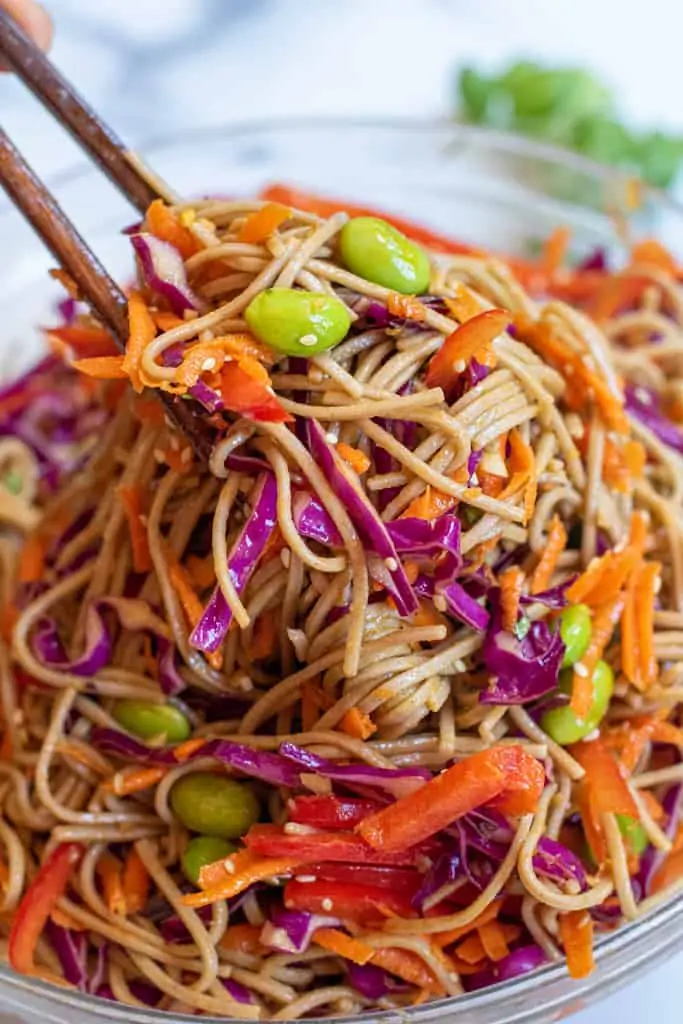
156, 66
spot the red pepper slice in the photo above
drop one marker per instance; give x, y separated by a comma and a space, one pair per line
252, 398
464, 343
85, 342
330, 812
273, 842
364, 904
377, 876
462, 788
39, 899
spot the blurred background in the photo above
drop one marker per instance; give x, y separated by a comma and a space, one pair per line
156, 67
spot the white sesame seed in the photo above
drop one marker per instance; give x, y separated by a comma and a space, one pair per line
459, 366
327, 905
209, 364
330, 438
293, 828
306, 879
308, 340
391, 564
581, 670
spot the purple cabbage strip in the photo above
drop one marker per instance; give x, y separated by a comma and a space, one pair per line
200, 391
312, 520
72, 950
164, 272
652, 858
239, 992
397, 781
521, 961
644, 404
446, 870
372, 982
291, 931
372, 530
522, 670
555, 597
212, 628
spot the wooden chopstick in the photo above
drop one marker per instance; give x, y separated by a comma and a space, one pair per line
126, 171
101, 292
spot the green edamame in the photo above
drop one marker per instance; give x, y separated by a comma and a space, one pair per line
296, 322
378, 252
152, 721
575, 630
214, 805
203, 850
561, 723
633, 832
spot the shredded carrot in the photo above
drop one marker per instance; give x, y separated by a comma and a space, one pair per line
136, 882
623, 463
556, 543
494, 940
511, 583
135, 781
605, 576
81, 341
406, 306
522, 465
220, 883
466, 342
201, 571
178, 457
185, 750
555, 250
653, 252
149, 410
652, 805
109, 873
602, 790
264, 639
616, 294
166, 321
356, 458
84, 755
576, 931
102, 367
430, 504
491, 484
356, 723
242, 938
471, 950
9, 616
161, 221
313, 700
409, 967
670, 872
141, 332
65, 920
210, 356
262, 223
644, 597
134, 506
335, 941
189, 602
489, 913
463, 304
32, 559
604, 622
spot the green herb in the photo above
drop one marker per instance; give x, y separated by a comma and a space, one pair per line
522, 627
12, 481
571, 108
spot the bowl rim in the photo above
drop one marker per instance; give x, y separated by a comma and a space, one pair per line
658, 916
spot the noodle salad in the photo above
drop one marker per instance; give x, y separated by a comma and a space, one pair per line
382, 705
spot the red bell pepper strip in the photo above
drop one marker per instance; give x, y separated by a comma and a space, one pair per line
249, 397
84, 342
326, 207
460, 789
602, 790
313, 847
38, 901
524, 781
463, 344
330, 812
362, 904
378, 876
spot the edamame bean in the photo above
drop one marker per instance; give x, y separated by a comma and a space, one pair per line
202, 850
296, 322
214, 805
575, 630
152, 721
633, 832
378, 252
561, 723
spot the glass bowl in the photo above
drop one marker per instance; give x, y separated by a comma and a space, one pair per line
483, 187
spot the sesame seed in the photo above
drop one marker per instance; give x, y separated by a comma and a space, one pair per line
209, 364
459, 366
391, 564
581, 670
327, 905
306, 879
330, 438
308, 340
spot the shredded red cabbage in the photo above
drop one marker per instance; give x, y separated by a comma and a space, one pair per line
243, 558
291, 931
446, 870
163, 271
522, 670
644, 404
239, 992
397, 781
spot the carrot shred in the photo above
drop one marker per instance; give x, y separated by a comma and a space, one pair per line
602, 790
189, 602
108, 870
82, 755
355, 458
125, 783
464, 305
32, 559
264, 638
645, 588
604, 622
201, 571
409, 967
406, 306
149, 410
605, 576
101, 367
555, 250
464, 344
9, 616
622, 464
576, 931
262, 223
136, 882
335, 941
219, 882
166, 321
313, 700
141, 332
653, 252
493, 940
81, 341
356, 723
65, 920
471, 949
134, 506
210, 356
511, 583
556, 543
161, 221
242, 938
430, 504
522, 465
669, 872
189, 747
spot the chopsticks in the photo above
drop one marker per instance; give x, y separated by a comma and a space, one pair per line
41, 209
